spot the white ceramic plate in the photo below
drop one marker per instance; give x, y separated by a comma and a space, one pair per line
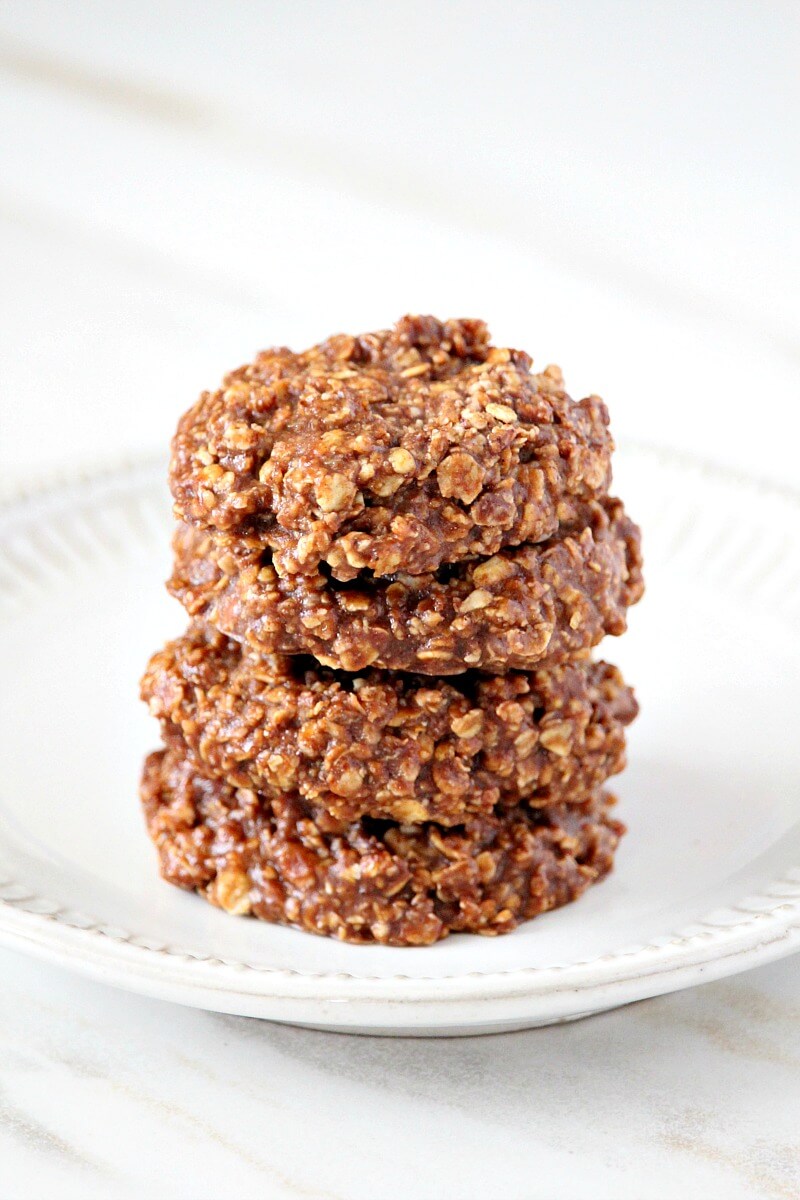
707, 880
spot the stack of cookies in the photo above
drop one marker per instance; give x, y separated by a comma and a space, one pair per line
383, 723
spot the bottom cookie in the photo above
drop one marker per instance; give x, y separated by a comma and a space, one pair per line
370, 881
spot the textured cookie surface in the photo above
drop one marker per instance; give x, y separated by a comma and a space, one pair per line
370, 881
399, 747
393, 451
515, 610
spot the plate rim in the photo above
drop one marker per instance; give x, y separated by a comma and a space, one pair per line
756, 929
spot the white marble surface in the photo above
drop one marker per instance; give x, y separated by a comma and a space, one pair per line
106, 1095
613, 185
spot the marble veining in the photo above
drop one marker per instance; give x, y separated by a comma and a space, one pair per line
113, 1095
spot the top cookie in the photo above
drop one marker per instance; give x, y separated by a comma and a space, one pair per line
400, 450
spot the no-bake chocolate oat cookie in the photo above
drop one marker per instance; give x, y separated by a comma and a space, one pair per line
399, 450
383, 723
370, 881
398, 747
514, 610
